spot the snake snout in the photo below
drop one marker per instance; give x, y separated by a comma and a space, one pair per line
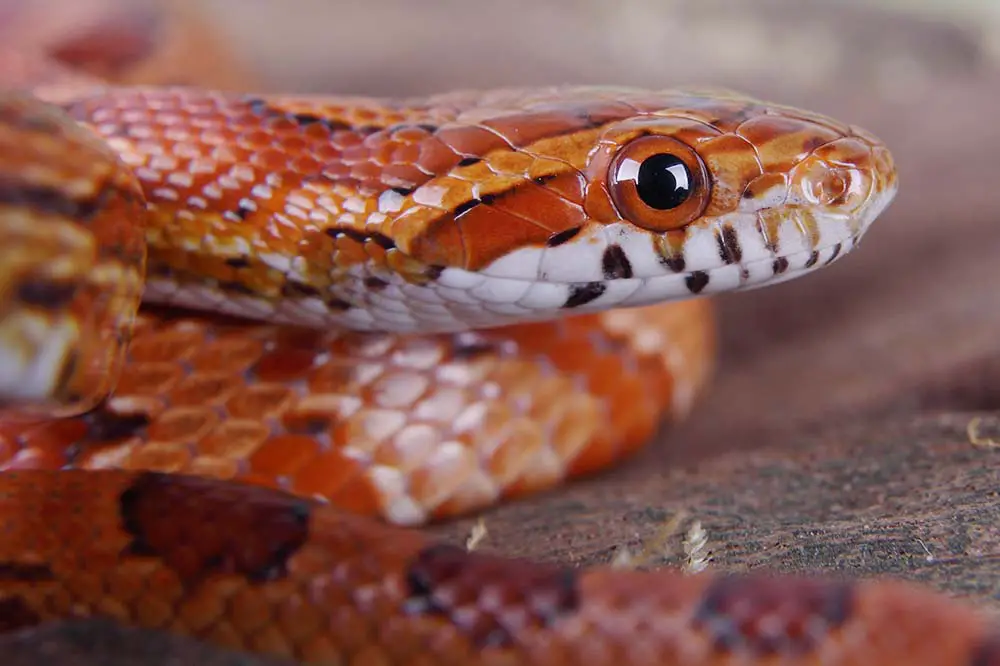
845, 184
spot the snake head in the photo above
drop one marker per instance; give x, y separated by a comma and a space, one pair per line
657, 197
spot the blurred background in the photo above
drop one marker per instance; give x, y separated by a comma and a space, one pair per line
889, 47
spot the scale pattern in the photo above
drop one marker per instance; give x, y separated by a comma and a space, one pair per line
402, 310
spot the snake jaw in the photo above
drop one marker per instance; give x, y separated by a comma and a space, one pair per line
786, 223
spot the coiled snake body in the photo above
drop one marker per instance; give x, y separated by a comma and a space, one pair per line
407, 310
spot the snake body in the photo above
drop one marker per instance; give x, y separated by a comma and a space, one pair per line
360, 308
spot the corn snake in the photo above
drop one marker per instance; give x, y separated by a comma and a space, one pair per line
554, 616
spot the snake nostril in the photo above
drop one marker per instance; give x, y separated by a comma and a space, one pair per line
829, 186
833, 188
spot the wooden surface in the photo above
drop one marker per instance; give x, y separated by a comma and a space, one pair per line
835, 437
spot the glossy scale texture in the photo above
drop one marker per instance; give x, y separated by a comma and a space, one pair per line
417, 412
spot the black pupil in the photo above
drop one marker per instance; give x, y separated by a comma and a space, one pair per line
664, 182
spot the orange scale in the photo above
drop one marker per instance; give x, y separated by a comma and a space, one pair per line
519, 446
358, 495
182, 424
443, 475
60, 433
106, 456
513, 376
366, 171
433, 156
481, 423
233, 439
605, 374
228, 354
406, 153
570, 355
634, 421
305, 165
285, 455
403, 173
399, 390
291, 336
334, 169
547, 395
601, 452
284, 364
204, 390
259, 401
175, 342
319, 412
375, 425
349, 252
159, 456
339, 375
580, 420
442, 405
34, 459
216, 468
327, 475
409, 449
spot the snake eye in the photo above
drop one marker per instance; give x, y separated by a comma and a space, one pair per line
658, 183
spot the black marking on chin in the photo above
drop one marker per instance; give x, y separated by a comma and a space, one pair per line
615, 263
434, 272
697, 281
674, 262
780, 265
561, 237
403, 191
583, 293
729, 245
375, 283
813, 258
836, 253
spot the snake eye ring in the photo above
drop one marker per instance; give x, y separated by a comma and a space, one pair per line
658, 183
